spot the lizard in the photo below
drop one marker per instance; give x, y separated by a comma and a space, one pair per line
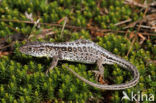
83, 51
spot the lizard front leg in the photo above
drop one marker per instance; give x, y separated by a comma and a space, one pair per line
53, 64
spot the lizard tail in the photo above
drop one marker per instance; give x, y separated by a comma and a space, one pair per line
112, 87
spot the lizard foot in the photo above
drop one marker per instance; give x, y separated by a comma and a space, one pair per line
99, 77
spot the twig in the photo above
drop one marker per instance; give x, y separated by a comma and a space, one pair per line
65, 21
73, 27
49, 24
43, 34
148, 19
142, 38
130, 47
147, 27
144, 17
123, 22
132, 2
12, 28
7, 45
132, 24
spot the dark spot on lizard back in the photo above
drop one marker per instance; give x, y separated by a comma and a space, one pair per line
79, 49
83, 41
97, 52
71, 43
56, 48
63, 43
88, 49
84, 49
77, 43
64, 49
70, 49
85, 57
41, 49
32, 43
74, 49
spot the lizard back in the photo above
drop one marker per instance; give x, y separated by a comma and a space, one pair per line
83, 51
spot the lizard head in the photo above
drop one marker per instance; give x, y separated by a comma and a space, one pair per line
34, 49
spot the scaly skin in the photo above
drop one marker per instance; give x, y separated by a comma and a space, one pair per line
83, 51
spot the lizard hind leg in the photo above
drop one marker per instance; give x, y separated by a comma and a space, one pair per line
99, 74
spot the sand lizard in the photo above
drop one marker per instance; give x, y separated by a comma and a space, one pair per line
83, 51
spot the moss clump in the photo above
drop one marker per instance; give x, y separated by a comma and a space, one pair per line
29, 83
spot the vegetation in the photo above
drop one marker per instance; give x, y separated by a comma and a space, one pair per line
22, 77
